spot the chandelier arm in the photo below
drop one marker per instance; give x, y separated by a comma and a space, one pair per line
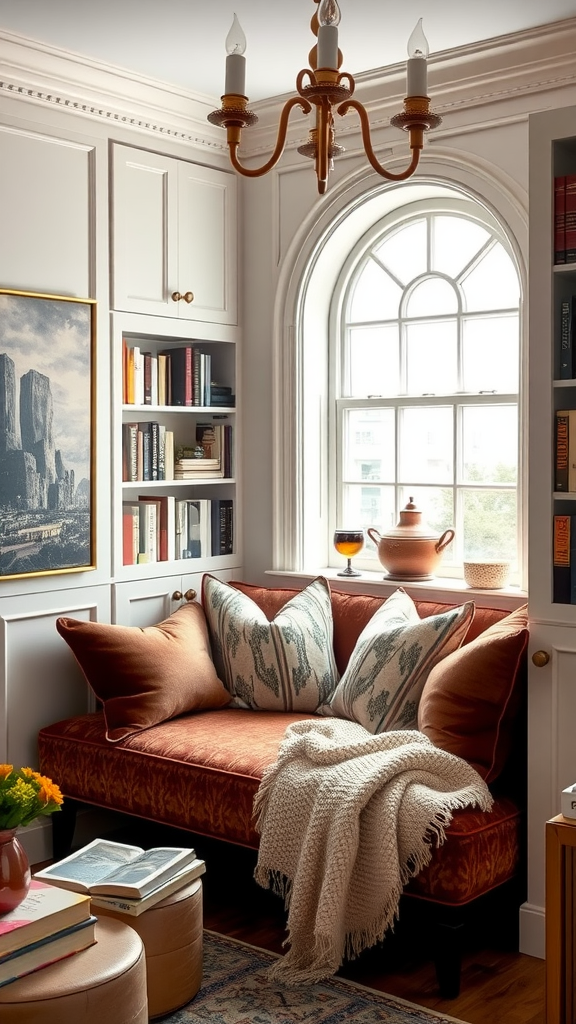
365, 126
255, 172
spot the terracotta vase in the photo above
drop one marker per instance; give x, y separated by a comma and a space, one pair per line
14, 871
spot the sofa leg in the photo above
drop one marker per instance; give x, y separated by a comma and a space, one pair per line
63, 825
448, 958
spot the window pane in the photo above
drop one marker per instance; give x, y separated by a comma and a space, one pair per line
368, 506
491, 353
374, 361
454, 242
375, 295
490, 444
490, 524
404, 251
493, 284
369, 453
432, 297
426, 445
431, 358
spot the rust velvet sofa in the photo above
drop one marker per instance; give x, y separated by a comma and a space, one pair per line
195, 762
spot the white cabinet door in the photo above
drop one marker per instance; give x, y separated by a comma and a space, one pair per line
174, 233
148, 601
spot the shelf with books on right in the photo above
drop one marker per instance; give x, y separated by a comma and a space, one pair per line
174, 477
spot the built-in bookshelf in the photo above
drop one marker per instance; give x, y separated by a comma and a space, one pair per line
176, 506
563, 293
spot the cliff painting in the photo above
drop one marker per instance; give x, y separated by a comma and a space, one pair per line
46, 434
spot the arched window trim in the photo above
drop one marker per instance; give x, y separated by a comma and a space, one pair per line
298, 547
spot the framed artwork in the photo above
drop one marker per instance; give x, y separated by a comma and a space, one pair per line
47, 434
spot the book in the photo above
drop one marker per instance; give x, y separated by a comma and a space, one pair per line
130, 533
107, 868
573, 559
47, 951
135, 907
560, 218
45, 910
138, 375
162, 378
570, 215
149, 530
166, 525
181, 517
169, 456
561, 574
193, 519
130, 452
181, 357
567, 311
572, 450
561, 456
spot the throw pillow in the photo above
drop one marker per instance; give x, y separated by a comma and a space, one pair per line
145, 676
471, 698
286, 664
390, 663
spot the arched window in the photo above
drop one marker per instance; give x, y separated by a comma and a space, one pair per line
424, 360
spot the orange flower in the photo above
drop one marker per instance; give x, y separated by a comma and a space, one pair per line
6, 770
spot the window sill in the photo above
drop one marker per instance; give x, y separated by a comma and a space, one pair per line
440, 589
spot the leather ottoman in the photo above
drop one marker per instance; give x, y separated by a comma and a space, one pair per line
172, 935
106, 982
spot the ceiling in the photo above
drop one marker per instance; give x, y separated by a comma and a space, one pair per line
182, 41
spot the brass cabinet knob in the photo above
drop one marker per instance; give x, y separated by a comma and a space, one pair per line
190, 595
540, 658
177, 595
187, 296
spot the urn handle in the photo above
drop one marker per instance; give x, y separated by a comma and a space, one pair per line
446, 539
374, 535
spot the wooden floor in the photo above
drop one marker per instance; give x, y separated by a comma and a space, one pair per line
499, 985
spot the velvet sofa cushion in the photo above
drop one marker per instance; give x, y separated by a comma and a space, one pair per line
285, 663
470, 699
391, 661
146, 676
201, 772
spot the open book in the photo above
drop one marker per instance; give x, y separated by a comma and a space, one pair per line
116, 869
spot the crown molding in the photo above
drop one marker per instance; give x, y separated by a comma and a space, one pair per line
50, 76
489, 75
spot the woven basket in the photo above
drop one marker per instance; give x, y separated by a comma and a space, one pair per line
487, 575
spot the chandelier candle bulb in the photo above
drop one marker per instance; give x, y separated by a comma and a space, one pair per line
417, 68
235, 61
328, 21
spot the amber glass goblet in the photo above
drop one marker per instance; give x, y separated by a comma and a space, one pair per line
348, 543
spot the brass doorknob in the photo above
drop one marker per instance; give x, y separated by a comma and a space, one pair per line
177, 595
187, 296
190, 595
540, 658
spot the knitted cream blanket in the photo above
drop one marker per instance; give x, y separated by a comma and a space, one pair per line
346, 819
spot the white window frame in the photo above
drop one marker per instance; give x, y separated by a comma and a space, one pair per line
339, 402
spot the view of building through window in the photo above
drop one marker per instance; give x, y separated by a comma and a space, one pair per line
426, 389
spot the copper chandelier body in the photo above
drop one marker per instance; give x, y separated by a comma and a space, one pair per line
327, 91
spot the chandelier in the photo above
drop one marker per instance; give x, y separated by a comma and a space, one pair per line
324, 89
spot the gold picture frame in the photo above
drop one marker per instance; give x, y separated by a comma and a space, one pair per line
47, 434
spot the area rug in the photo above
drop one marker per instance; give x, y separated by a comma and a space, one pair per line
235, 990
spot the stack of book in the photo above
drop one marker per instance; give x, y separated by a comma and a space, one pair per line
123, 877
48, 925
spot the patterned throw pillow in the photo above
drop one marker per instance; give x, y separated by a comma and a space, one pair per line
283, 665
389, 665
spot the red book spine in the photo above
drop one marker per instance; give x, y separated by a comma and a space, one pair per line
570, 204
560, 219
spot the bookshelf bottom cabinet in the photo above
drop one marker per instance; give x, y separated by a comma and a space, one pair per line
560, 920
148, 601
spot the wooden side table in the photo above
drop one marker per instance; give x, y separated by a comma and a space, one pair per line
560, 920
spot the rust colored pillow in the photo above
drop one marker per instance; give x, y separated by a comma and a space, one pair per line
471, 697
146, 676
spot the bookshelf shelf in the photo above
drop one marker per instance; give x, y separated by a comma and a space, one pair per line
198, 517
